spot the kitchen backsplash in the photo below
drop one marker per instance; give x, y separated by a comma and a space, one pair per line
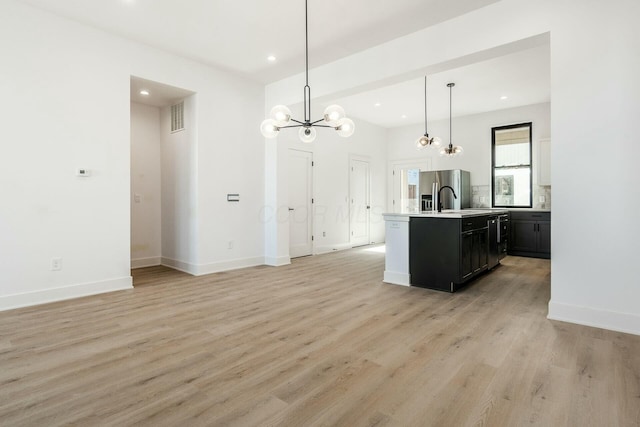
542, 190
481, 196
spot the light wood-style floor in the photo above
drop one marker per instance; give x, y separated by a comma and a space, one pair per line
320, 342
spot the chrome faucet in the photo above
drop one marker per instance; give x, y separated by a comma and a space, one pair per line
439, 198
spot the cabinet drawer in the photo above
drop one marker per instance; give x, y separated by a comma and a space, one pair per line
530, 216
474, 222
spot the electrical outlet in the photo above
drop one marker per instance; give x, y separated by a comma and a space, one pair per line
230, 244
542, 199
56, 264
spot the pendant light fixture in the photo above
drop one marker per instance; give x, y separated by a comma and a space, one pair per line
426, 141
451, 150
280, 116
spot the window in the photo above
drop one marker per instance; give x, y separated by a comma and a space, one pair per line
511, 165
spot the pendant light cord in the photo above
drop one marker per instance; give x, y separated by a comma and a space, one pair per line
307, 89
450, 117
425, 106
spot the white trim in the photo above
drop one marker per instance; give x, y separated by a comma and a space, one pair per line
277, 262
403, 279
28, 299
185, 267
146, 262
216, 267
332, 248
612, 320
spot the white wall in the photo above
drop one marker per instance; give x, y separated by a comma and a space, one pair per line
473, 133
331, 155
596, 104
179, 204
66, 92
145, 185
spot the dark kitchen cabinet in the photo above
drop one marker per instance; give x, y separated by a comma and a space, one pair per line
474, 252
530, 234
445, 253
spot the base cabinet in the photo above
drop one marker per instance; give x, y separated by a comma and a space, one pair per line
530, 234
445, 253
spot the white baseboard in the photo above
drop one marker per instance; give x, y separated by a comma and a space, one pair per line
612, 320
319, 250
64, 293
183, 266
277, 261
234, 264
403, 279
146, 262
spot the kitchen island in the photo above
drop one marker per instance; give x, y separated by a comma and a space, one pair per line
442, 250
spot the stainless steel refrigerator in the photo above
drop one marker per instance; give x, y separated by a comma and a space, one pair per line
457, 179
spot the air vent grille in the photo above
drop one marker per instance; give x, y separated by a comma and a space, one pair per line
177, 117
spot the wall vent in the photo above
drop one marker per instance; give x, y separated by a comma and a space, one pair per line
177, 117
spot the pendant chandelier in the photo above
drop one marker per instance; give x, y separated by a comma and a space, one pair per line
450, 150
280, 116
426, 141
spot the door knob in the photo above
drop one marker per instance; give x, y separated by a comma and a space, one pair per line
291, 209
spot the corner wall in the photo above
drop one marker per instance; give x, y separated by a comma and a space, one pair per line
179, 157
66, 90
596, 105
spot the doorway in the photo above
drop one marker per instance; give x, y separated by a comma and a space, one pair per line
300, 178
160, 184
360, 202
405, 181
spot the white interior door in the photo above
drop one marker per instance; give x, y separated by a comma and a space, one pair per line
300, 203
359, 212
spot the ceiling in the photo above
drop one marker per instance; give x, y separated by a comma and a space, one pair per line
159, 95
239, 35
522, 77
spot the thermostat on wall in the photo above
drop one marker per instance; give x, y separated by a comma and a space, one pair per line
83, 172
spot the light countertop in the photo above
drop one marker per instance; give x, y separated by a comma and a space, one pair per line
449, 213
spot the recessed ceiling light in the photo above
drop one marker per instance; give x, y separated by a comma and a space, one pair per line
377, 104
404, 116
503, 97
144, 92
271, 58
